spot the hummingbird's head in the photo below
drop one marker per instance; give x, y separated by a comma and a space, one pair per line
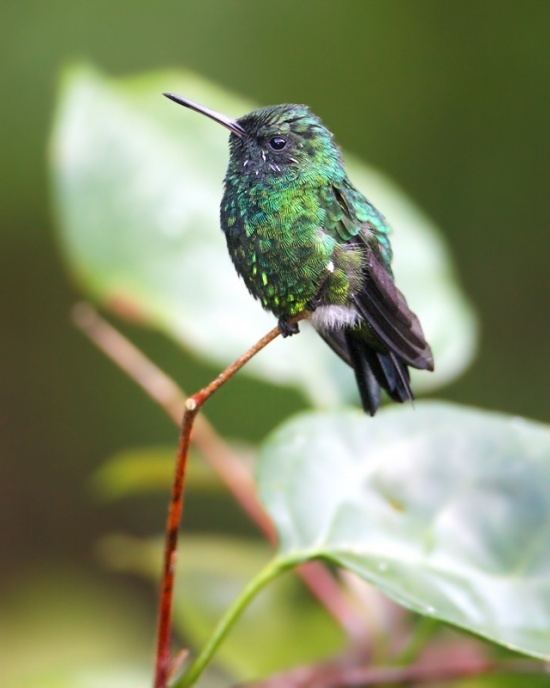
279, 140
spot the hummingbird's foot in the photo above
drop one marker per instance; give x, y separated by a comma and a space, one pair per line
319, 298
314, 303
287, 328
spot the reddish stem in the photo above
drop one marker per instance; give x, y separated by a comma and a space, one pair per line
347, 674
192, 407
215, 450
175, 509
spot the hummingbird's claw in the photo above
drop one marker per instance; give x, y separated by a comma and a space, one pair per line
287, 328
319, 298
314, 303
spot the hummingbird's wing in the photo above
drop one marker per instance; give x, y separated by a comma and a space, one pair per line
393, 327
388, 338
352, 215
387, 313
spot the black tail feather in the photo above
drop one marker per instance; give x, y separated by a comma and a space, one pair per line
367, 383
394, 375
374, 369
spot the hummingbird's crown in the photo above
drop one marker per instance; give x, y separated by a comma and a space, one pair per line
287, 116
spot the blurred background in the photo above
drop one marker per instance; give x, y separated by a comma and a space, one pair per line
447, 98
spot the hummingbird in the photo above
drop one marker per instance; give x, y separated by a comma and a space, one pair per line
303, 238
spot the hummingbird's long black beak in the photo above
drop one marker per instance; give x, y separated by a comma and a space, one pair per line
226, 122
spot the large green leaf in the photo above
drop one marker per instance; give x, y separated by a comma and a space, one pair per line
283, 626
137, 186
445, 509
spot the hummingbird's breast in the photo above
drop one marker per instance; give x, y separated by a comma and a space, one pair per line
275, 240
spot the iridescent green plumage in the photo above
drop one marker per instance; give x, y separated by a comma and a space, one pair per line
281, 214
303, 238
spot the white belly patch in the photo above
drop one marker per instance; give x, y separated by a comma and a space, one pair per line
335, 317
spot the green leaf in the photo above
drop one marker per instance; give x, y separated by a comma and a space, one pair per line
137, 185
445, 509
283, 626
150, 469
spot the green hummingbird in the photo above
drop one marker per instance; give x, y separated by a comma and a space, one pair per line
303, 238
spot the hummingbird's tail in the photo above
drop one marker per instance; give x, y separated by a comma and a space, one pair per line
374, 370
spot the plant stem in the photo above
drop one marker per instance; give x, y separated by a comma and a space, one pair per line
216, 452
175, 509
344, 673
422, 633
275, 568
171, 398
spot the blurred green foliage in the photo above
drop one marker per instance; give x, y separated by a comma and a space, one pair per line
281, 627
401, 501
58, 621
149, 470
449, 99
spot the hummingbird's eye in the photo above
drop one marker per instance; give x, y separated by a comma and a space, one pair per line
277, 143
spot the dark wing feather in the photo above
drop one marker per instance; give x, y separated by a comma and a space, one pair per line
388, 315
